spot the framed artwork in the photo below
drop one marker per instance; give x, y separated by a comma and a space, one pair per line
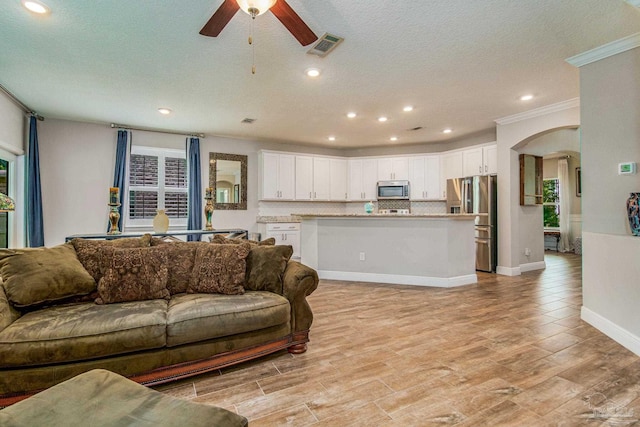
578, 183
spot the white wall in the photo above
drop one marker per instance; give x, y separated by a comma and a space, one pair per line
610, 93
513, 133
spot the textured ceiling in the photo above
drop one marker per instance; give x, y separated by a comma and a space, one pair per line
461, 63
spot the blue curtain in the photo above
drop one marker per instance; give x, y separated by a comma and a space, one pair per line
35, 225
194, 216
120, 172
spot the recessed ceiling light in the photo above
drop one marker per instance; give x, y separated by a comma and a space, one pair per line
351, 115
313, 72
332, 138
393, 138
35, 7
526, 97
447, 130
382, 119
164, 111
407, 108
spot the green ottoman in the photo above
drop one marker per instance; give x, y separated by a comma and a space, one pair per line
102, 398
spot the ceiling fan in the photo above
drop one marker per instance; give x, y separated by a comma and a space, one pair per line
279, 8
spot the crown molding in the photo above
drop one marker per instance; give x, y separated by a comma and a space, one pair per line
542, 111
607, 50
635, 3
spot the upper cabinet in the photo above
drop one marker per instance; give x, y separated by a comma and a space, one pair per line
480, 161
424, 178
315, 181
393, 169
338, 174
278, 176
363, 176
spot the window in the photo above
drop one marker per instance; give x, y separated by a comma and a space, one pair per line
157, 180
551, 203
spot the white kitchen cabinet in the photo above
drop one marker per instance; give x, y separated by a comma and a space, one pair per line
490, 159
363, 177
450, 167
304, 178
278, 176
285, 233
338, 173
480, 160
321, 178
472, 162
424, 178
394, 168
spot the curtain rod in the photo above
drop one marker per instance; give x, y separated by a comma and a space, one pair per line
19, 103
127, 127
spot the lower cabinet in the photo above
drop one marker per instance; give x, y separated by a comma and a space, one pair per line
285, 233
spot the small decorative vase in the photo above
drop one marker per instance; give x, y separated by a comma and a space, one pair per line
160, 222
633, 212
368, 207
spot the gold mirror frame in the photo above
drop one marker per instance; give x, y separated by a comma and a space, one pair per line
213, 157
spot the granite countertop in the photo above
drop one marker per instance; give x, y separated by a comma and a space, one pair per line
377, 215
277, 219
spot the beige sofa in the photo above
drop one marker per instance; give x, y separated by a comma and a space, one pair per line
51, 327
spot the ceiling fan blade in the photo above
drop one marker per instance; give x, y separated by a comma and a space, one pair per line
220, 18
293, 22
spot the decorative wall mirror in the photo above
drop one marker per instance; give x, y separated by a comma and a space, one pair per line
228, 179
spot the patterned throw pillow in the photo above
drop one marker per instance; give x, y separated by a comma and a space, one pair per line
218, 238
88, 251
265, 267
219, 269
33, 277
181, 256
132, 274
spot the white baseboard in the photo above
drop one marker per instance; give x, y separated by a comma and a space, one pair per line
508, 271
540, 265
610, 329
439, 282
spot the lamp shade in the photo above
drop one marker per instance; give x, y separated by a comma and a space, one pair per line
255, 7
6, 203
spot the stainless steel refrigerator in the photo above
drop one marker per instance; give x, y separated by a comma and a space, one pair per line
478, 195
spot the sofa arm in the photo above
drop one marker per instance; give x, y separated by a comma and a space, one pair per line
299, 281
8, 314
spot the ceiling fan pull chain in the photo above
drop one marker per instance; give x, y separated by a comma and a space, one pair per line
253, 47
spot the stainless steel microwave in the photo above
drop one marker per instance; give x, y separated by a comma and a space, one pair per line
393, 190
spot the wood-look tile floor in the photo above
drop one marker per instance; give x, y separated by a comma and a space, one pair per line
509, 351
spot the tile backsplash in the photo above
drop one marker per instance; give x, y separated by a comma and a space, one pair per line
288, 208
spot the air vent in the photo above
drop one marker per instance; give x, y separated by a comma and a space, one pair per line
325, 44
415, 128
248, 120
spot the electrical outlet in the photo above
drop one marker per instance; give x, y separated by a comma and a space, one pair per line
361, 256
527, 252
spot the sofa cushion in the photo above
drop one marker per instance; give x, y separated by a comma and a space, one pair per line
43, 275
219, 269
132, 274
265, 267
199, 317
67, 333
89, 250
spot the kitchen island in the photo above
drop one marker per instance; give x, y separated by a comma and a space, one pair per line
427, 250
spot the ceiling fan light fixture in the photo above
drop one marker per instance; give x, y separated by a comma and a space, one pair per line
255, 7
